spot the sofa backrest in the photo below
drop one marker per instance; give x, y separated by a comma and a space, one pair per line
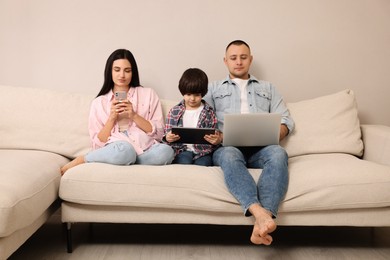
56, 121
327, 124
42, 119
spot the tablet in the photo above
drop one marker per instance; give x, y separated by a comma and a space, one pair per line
189, 135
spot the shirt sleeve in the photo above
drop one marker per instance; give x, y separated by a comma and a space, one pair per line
279, 106
155, 116
97, 117
208, 98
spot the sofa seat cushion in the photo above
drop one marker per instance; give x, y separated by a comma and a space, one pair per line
336, 181
170, 186
317, 182
29, 183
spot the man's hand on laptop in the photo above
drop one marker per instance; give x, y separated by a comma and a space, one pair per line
283, 131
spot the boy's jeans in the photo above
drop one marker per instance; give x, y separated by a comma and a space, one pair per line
187, 157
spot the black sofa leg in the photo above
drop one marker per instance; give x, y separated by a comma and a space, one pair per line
69, 237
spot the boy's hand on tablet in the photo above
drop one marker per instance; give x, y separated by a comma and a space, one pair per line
214, 139
171, 137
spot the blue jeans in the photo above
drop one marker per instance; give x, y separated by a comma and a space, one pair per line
157, 154
187, 157
123, 153
273, 181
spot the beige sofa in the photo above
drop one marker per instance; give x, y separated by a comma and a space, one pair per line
39, 129
335, 180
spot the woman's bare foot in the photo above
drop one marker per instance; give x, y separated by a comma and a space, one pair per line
76, 161
264, 225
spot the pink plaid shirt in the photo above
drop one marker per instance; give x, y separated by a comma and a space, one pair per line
145, 103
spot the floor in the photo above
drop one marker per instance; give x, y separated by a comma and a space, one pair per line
131, 241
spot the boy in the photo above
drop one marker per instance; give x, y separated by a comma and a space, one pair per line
192, 111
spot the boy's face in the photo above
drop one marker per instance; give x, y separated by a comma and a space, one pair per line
192, 101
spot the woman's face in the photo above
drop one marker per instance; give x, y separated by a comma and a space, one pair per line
121, 73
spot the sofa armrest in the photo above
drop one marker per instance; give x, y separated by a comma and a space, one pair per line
376, 139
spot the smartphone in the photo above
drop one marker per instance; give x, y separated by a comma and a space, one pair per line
120, 95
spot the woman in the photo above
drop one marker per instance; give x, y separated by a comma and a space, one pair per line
126, 122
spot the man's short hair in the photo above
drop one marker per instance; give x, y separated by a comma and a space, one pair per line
238, 43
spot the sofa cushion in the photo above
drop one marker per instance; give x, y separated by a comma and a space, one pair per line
335, 181
170, 186
29, 183
328, 124
317, 182
322, 125
167, 105
46, 120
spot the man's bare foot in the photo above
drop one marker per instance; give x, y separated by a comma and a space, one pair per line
258, 240
76, 161
264, 225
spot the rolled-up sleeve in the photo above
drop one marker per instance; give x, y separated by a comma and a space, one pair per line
279, 106
97, 117
155, 116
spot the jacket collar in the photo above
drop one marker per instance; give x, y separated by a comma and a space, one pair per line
230, 81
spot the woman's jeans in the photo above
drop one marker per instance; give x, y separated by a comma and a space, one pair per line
187, 157
123, 153
273, 181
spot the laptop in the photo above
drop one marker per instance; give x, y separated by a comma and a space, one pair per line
254, 129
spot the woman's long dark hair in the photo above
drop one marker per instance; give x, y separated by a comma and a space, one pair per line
116, 55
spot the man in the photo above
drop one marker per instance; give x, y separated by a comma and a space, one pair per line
240, 92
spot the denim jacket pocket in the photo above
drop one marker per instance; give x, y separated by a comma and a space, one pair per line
223, 99
263, 100
263, 94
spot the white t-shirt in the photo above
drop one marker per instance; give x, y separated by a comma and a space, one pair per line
242, 83
123, 123
190, 119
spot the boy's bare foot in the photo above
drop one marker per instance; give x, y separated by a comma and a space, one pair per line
264, 225
76, 161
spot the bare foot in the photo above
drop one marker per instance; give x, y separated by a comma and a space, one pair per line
264, 225
258, 240
76, 161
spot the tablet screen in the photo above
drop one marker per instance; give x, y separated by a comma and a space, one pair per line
190, 135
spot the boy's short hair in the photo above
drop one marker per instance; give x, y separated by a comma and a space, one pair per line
194, 81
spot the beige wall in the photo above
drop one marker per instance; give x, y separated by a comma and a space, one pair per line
307, 48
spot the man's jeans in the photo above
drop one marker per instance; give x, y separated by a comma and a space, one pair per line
123, 153
272, 184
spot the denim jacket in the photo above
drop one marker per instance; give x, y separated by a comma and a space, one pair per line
207, 119
224, 96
